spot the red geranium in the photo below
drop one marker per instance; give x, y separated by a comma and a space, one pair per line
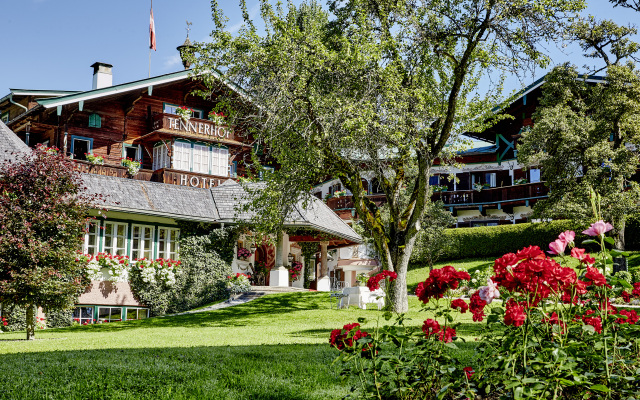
468, 371
374, 282
476, 304
596, 322
447, 335
636, 289
439, 281
347, 337
460, 305
430, 327
632, 317
514, 314
595, 277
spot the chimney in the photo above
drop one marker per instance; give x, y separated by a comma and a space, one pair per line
102, 76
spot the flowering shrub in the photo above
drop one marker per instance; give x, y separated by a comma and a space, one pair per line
295, 271
93, 159
243, 253
184, 112
238, 284
41, 323
556, 333
133, 166
217, 117
374, 282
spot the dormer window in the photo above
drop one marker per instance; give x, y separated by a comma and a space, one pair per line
95, 121
4, 117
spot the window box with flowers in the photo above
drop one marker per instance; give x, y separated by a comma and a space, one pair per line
133, 166
93, 159
184, 112
217, 118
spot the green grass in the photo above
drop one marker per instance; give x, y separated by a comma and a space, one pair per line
274, 347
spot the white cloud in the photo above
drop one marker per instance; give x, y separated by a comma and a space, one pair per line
172, 62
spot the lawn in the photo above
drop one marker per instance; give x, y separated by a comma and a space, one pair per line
274, 347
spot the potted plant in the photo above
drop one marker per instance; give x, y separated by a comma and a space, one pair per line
216, 117
520, 181
295, 270
243, 253
133, 166
93, 159
184, 112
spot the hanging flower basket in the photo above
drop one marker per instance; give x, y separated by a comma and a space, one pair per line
217, 118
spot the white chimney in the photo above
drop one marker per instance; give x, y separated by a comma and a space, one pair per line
102, 76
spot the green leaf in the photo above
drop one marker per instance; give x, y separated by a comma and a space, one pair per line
610, 240
387, 315
600, 388
625, 284
588, 328
362, 320
589, 241
451, 346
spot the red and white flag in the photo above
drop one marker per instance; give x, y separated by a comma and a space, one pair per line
152, 31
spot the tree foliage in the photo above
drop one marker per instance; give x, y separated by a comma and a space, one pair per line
585, 136
43, 217
369, 87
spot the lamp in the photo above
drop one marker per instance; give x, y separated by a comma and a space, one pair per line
253, 248
291, 258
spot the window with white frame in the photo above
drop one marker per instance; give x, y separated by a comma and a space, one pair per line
168, 243
161, 157
201, 158
171, 109
142, 242
92, 237
219, 161
115, 238
137, 313
83, 315
182, 156
109, 314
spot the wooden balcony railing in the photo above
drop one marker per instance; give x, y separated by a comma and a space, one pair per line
344, 202
493, 195
164, 175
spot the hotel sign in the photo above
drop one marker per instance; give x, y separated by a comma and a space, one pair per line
194, 127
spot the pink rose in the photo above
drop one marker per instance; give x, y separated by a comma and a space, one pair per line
489, 292
598, 228
557, 247
567, 236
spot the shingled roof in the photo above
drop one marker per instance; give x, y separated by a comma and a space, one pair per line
218, 204
10, 145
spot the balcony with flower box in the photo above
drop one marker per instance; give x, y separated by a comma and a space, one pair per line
506, 195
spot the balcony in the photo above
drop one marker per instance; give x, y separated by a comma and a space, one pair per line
164, 175
501, 195
169, 126
345, 202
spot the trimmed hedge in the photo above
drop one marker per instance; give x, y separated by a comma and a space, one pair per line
17, 318
495, 241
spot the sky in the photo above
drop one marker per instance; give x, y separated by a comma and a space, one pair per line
51, 44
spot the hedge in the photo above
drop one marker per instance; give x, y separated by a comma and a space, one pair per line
494, 241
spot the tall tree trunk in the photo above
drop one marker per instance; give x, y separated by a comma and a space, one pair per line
399, 293
31, 322
619, 225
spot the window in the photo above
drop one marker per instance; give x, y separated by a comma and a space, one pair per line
201, 158
4, 117
137, 313
142, 242
171, 109
219, 161
83, 315
182, 156
115, 238
132, 152
95, 121
168, 243
80, 146
109, 314
161, 157
92, 237
434, 180
490, 178
534, 174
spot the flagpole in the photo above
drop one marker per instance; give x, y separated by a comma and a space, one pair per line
150, 43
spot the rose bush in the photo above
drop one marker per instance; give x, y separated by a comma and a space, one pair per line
555, 335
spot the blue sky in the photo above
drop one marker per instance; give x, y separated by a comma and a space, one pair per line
50, 44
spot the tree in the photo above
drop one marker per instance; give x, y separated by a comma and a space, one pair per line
584, 136
43, 217
369, 87
432, 242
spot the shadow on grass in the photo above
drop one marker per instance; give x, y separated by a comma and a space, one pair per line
291, 372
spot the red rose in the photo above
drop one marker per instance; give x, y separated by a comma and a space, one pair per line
447, 335
468, 371
514, 314
430, 327
477, 307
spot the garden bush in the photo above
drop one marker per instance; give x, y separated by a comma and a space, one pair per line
494, 241
15, 317
59, 318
